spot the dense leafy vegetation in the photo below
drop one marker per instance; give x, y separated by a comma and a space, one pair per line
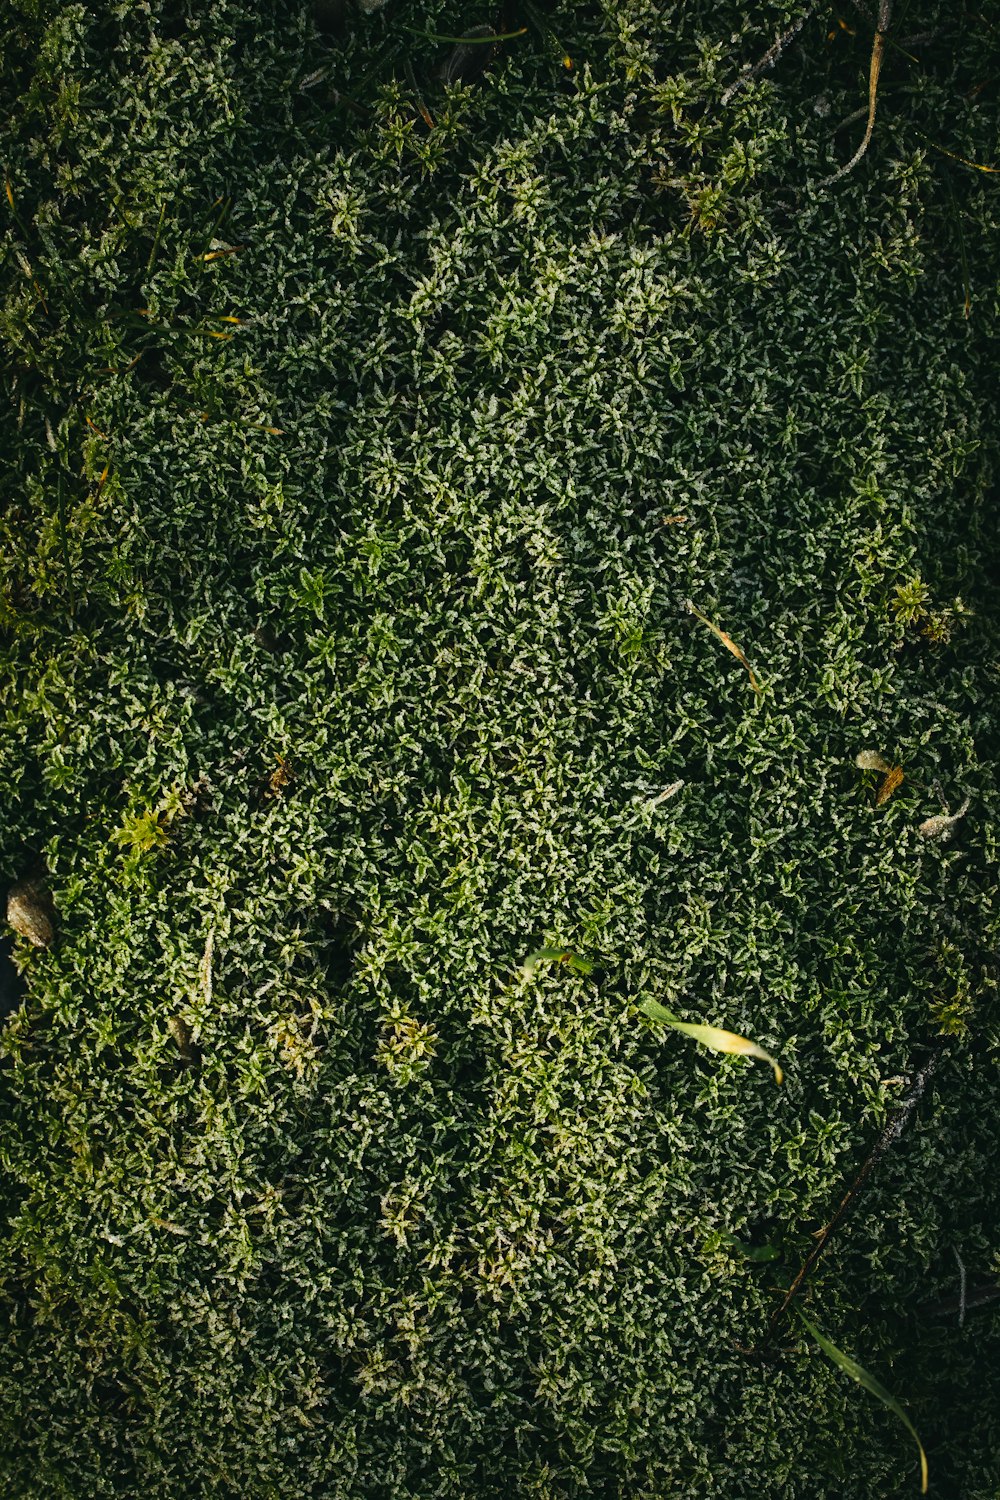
367, 444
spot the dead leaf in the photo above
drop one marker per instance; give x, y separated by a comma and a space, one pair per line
728, 642
893, 779
941, 826
870, 760
280, 776
30, 912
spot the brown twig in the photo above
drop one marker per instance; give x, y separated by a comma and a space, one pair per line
890, 1135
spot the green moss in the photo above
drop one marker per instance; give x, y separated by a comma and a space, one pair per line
307, 1189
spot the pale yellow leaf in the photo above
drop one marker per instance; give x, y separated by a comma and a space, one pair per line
711, 1036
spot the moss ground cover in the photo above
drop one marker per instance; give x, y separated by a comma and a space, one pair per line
367, 444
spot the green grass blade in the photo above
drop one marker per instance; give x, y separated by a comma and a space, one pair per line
860, 1374
711, 1036
492, 36
555, 955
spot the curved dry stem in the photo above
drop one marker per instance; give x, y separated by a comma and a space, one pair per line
878, 51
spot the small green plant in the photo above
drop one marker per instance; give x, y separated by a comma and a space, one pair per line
952, 1005
141, 832
950, 1014
909, 604
144, 832
406, 1046
911, 608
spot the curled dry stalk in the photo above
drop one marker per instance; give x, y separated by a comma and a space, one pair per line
878, 50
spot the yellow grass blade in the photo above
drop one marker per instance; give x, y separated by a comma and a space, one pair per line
977, 166
857, 1372
711, 1036
728, 642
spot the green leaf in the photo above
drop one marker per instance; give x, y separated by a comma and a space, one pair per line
861, 1375
555, 955
711, 1036
760, 1254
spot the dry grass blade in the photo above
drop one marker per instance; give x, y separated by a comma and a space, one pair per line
860, 1374
870, 760
169, 1226
878, 51
479, 36
711, 1036
205, 966
980, 1296
665, 795
422, 109
893, 779
728, 642
223, 250
953, 155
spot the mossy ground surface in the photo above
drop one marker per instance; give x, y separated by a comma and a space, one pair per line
345, 652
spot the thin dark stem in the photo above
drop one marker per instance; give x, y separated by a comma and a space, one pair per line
961, 1286
61, 512
771, 55
979, 1296
966, 277
890, 1135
